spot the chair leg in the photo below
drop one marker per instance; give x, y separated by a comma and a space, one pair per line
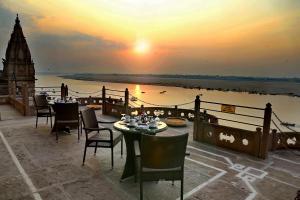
112, 157
56, 132
36, 121
47, 120
78, 133
122, 146
181, 189
51, 121
80, 127
141, 189
84, 154
135, 169
172, 182
96, 148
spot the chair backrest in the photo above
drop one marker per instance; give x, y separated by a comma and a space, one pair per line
163, 152
66, 111
40, 101
89, 119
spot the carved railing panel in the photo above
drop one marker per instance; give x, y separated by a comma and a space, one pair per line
228, 137
166, 112
286, 140
89, 100
114, 110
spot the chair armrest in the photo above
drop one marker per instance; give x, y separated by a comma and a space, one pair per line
42, 107
91, 129
102, 122
187, 153
137, 150
101, 129
98, 129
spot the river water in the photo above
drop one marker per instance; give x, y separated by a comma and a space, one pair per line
286, 107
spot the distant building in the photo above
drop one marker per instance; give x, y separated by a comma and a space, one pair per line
18, 67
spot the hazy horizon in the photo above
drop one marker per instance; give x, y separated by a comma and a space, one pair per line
165, 74
217, 37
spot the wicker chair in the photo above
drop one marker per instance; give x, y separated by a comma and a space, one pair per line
161, 157
66, 116
99, 137
43, 109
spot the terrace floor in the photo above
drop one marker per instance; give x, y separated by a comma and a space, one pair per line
34, 166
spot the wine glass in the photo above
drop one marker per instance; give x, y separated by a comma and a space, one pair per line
123, 117
156, 113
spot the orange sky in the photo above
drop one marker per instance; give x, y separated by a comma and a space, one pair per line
229, 37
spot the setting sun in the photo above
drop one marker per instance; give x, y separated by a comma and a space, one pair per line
142, 47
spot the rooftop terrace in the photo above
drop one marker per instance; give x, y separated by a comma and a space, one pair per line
34, 166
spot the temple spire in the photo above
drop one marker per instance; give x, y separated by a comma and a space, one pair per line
18, 60
17, 19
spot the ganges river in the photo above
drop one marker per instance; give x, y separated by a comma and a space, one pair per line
286, 107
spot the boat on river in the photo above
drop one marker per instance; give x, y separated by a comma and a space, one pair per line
287, 124
133, 99
162, 92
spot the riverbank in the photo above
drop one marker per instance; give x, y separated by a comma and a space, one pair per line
272, 86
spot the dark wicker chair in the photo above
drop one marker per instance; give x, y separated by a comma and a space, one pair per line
43, 109
99, 137
66, 116
161, 158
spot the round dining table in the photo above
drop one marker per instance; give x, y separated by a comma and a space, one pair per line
132, 133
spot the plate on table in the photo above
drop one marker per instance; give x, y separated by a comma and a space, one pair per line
131, 125
123, 123
152, 126
142, 126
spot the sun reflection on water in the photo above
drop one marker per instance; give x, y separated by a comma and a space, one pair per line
137, 91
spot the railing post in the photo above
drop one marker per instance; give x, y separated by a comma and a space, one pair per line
62, 91
197, 104
66, 91
264, 144
274, 140
176, 111
142, 109
103, 100
90, 100
257, 142
25, 98
126, 101
196, 118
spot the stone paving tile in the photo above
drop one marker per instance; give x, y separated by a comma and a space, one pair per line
62, 173
293, 155
293, 168
275, 190
55, 169
24, 158
26, 197
53, 193
91, 189
7, 167
220, 190
284, 176
12, 187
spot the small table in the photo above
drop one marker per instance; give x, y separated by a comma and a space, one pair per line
94, 106
130, 135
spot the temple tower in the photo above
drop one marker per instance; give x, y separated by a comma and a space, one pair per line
18, 67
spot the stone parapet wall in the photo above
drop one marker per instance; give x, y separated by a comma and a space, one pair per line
4, 99
228, 137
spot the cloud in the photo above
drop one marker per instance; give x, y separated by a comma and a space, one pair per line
266, 43
5, 28
60, 52
73, 51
